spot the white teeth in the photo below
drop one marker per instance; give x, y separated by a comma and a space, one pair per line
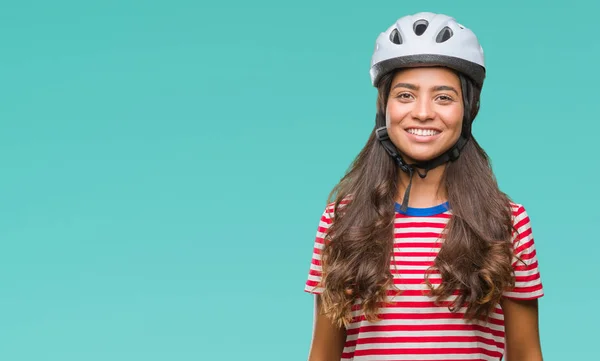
423, 132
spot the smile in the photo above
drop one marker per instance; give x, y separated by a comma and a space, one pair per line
423, 132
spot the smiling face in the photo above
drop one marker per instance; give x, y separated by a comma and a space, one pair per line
424, 112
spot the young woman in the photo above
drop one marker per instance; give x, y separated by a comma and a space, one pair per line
419, 256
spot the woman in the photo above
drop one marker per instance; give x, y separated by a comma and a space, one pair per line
420, 256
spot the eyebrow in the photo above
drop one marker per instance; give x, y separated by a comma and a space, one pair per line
415, 87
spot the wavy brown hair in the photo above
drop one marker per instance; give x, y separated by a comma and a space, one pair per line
475, 257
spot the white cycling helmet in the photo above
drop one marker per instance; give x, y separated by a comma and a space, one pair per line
428, 39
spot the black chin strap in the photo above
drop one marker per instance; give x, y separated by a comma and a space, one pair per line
450, 155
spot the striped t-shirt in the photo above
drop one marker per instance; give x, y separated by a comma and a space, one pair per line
411, 326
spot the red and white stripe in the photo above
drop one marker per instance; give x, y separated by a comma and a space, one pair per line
412, 327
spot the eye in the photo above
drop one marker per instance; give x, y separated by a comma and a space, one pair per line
404, 96
445, 98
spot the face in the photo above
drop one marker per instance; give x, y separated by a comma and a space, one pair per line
424, 112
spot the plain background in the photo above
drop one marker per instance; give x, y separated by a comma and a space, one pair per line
164, 165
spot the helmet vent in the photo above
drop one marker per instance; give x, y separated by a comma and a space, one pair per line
443, 35
395, 37
420, 26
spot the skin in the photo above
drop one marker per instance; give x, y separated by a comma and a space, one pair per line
522, 333
431, 98
327, 340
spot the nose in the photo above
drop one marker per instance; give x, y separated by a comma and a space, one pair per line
423, 109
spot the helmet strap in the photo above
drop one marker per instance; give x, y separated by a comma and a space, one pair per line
450, 155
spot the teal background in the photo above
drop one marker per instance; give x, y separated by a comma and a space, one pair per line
165, 164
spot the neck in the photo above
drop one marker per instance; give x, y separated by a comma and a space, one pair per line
425, 192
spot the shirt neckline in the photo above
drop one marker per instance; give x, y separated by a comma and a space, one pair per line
423, 212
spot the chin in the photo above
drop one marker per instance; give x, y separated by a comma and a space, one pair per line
417, 158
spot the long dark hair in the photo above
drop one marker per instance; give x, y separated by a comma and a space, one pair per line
475, 257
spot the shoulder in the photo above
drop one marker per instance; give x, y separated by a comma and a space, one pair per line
516, 207
521, 222
330, 208
518, 212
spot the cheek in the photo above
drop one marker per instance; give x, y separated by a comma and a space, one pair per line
395, 113
453, 119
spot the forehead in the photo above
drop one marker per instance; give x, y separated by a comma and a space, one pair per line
427, 76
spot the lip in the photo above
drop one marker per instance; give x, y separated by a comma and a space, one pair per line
422, 138
423, 128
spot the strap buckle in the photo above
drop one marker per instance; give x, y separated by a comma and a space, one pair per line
381, 133
454, 154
